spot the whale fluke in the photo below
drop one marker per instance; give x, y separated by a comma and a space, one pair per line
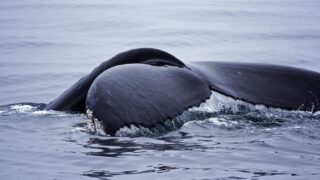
148, 86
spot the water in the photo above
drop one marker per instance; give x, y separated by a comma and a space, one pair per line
46, 46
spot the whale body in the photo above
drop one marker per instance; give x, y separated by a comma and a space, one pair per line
148, 86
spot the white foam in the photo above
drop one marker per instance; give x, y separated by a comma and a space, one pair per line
220, 103
317, 114
32, 110
22, 108
79, 129
44, 112
221, 122
132, 129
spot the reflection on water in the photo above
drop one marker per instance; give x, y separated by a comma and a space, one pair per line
46, 46
117, 148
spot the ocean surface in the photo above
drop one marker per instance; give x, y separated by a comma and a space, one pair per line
46, 46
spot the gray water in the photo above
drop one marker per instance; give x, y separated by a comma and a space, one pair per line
45, 46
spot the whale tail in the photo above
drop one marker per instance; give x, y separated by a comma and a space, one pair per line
148, 86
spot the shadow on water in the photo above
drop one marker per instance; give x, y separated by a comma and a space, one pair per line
107, 174
116, 148
163, 168
125, 149
109, 147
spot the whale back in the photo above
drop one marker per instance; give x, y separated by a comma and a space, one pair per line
73, 99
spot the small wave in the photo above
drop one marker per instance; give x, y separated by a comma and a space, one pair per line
79, 129
35, 109
22, 108
222, 122
48, 112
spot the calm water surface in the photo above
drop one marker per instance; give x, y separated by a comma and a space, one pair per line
45, 46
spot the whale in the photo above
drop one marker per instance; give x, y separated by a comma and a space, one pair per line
147, 86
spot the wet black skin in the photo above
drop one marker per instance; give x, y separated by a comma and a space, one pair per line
148, 86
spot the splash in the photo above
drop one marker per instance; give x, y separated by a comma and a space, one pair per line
222, 112
94, 126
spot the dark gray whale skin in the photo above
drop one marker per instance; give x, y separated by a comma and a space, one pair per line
74, 98
148, 86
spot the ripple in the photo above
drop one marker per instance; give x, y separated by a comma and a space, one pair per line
34, 45
51, 5
160, 168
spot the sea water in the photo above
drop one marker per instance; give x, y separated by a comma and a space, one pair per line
46, 46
